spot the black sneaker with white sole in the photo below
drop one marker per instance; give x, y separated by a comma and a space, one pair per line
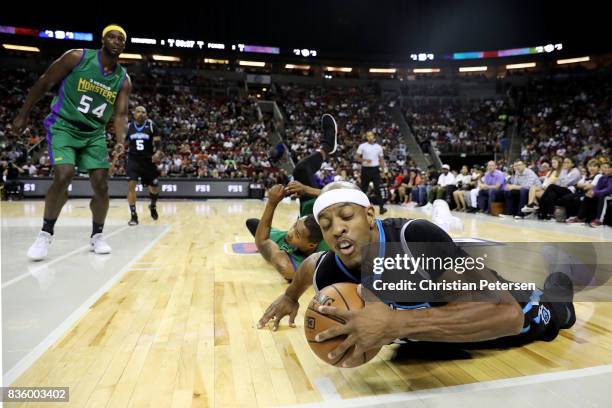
329, 141
559, 293
133, 221
154, 214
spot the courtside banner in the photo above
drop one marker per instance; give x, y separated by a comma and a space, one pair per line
432, 272
175, 188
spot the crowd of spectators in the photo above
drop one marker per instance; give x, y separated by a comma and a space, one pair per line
454, 125
556, 189
199, 133
568, 117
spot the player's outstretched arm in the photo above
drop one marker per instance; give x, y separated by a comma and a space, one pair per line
466, 317
287, 304
56, 72
297, 188
121, 110
266, 247
278, 258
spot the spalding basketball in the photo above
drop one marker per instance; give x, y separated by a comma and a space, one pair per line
342, 296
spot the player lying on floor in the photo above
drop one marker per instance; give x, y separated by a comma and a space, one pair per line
286, 250
348, 223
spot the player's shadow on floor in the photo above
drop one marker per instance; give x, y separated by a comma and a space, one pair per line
428, 351
440, 351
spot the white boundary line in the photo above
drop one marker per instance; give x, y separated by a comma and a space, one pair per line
52, 337
457, 389
327, 389
55, 260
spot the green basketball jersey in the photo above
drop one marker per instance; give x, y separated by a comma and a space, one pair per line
86, 97
296, 257
306, 206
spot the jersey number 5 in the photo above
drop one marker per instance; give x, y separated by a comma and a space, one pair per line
139, 145
85, 105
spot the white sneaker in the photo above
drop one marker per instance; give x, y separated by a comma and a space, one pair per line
98, 245
529, 210
39, 249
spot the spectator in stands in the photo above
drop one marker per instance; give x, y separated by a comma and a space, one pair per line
444, 186
471, 196
430, 178
535, 192
398, 193
594, 206
565, 184
419, 192
517, 190
573, 202
544, 170
491, 188
462, 182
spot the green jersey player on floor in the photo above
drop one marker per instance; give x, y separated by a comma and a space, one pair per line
93, 86
286, 250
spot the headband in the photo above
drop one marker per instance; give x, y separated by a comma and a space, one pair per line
114, 27
340, 195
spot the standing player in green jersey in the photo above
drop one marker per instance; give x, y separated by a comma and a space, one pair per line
93, 86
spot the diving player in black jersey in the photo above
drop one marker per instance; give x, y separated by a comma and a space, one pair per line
348, 223
140, 162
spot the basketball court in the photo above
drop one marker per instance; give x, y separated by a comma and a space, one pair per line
169, 320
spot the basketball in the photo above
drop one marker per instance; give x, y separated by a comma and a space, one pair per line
342, 296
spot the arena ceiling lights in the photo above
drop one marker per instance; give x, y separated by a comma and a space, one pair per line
294, 66
216, 61
130, 56
521, 66
573, 60
425, 70
472, 69
382, 70
21, 48
251, 63
166, 58
338, 69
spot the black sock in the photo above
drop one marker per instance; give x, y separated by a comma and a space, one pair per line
154, 198
97, 228
133, 210
48, 225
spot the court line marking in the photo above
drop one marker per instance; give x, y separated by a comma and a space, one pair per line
60, 330
145, 269
230, 252
463, 388
55, 260
327, 389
